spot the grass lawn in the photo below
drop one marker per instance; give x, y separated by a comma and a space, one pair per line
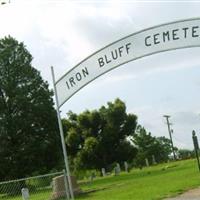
39, 195
147, 184
152, 183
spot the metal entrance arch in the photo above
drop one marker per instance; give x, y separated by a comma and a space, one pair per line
165, 37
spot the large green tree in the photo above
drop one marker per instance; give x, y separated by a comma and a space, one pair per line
29, 139
98, 138
148, 146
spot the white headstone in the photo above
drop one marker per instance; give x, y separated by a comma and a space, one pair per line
103, 172
118, 168
126, 166
25, 193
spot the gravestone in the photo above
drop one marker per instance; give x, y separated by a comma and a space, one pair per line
118, 168
103, 172
25, 193
59, 187
126, 167
116, 171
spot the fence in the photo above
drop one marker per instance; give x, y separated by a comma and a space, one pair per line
39, 188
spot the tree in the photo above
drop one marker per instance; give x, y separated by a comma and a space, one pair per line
148, 146
145, 145
98, 138
29, 139
186, 153
164, 148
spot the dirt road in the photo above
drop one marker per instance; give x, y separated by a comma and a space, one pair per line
193, 194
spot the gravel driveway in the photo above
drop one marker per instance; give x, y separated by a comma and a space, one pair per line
193, 194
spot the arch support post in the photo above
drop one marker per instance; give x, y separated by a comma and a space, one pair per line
70, 193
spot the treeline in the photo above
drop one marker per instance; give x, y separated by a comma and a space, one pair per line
97, 139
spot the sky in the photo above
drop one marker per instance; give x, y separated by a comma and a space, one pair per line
61, 33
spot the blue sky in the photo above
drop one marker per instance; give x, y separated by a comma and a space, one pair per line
62, 33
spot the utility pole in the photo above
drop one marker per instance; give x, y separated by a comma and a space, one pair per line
170, 135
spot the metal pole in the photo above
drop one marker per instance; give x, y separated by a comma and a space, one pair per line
168, 125
66, 184
197, 156
62, 138
196, 147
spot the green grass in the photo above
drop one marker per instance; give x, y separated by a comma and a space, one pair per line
148, 184
152, 183
39, 195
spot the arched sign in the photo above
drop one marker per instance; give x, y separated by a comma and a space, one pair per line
175, 35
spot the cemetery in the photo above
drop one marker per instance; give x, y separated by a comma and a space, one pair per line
97, 146
146, 183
